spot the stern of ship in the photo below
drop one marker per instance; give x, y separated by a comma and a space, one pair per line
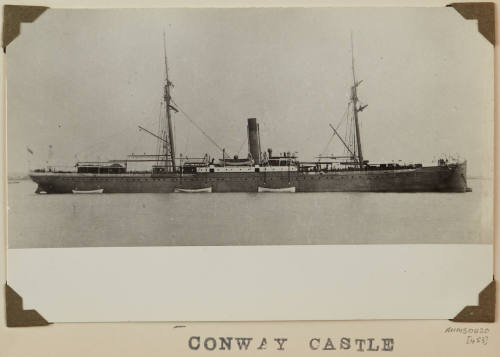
44, 185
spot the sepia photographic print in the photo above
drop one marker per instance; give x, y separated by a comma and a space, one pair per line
318, 145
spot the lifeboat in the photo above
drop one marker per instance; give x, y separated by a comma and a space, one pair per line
195, 190
100, 190
284, 189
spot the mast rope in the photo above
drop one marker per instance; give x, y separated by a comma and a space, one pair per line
159, 142
241, 146
92, 147
186, 145
197, 126
327, 144
342, 118
351, 135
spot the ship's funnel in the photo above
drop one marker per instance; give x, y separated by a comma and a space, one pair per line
254, 140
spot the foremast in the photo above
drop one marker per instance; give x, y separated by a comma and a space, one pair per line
168, 143
356, 110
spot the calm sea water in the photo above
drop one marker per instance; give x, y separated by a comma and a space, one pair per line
43, 221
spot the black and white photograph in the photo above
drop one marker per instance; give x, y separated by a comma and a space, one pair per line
305, 135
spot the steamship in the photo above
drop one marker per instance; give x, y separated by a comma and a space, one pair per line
260, 171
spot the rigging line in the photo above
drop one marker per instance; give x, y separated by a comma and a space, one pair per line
186, 146
104, 140
241, 146
349, 131
173, 132
343, 142
354, 136
352, 133
165, 148
158, 142
342, 118
327, 144
161, 132
352, 58
197, 126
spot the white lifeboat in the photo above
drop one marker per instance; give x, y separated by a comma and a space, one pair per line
100, 190
195, 190
284, 189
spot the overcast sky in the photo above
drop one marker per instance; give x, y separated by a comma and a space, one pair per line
82, 80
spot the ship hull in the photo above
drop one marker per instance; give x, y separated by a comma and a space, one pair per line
447, 178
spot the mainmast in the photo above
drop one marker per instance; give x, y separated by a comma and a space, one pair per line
168, 106
354, 98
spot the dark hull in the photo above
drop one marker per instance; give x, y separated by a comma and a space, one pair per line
449, 178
